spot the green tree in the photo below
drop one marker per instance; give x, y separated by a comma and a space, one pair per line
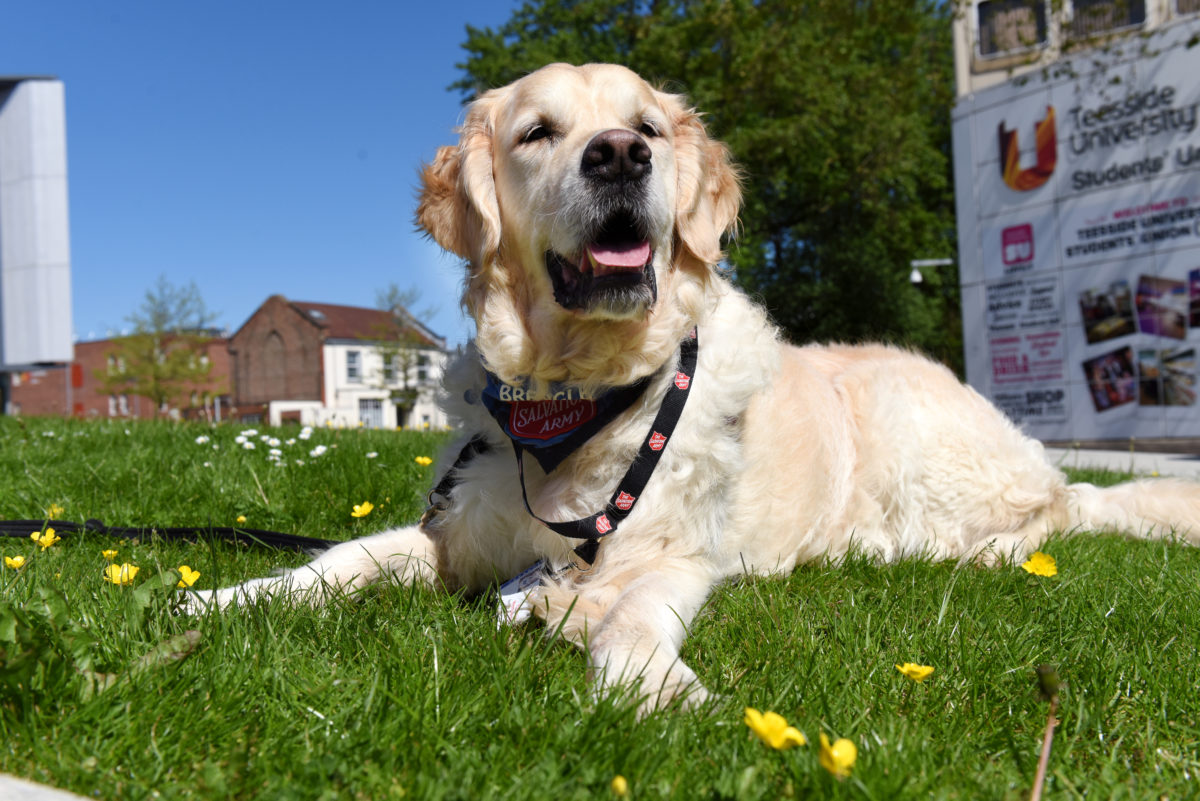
165, 357
838, 111
399, 344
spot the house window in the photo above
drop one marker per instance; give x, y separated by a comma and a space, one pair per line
1007, 26
353, 366
1091, 17
422, 368
1187, 6
112, 405
389, 367
370, 412
123, 405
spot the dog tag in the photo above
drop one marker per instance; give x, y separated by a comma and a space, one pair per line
516, 604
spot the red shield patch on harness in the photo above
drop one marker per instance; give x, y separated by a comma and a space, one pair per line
657, 441
682, 380
602, 525
548, 419
624, 501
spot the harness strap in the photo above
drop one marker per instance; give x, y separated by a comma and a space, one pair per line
439, 496
600, 524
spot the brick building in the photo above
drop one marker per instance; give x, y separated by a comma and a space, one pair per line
317, 363
76, 389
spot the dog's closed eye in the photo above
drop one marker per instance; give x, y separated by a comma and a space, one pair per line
649, 129
536, 132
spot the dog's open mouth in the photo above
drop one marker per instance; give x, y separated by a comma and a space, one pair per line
613, 275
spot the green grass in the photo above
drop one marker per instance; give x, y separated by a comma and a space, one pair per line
413, 694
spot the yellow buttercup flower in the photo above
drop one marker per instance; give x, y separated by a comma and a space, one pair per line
45, 538
1041, 564
122, 574
620, 787
772, 729
839, 757
362, 509
15, 562
109, 554
187, 576
54, 510
241, 519
914, 671
424, 461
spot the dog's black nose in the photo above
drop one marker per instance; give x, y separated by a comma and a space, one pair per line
616, 155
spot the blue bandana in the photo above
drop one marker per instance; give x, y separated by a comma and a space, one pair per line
551, 430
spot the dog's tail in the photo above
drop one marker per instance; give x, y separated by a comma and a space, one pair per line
1149, 509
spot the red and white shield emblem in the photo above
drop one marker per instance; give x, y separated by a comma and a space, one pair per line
682, 380
657, 441
624, 501
602, 525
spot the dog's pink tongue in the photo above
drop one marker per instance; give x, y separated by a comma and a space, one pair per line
619, 257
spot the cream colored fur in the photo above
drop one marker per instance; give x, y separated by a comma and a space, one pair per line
783, 455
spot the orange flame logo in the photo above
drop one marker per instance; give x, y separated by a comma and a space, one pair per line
1046, 139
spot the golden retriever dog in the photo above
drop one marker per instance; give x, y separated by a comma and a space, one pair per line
590, 209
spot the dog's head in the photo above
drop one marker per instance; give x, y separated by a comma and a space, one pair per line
590, 207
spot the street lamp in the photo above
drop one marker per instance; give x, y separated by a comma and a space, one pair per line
916, 264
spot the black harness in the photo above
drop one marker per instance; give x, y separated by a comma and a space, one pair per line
604, 522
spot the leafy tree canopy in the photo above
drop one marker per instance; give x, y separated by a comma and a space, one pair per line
165, 357
400, 346
167, 308
838, 111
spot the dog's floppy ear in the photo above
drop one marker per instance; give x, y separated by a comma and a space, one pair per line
458, 205
710, 191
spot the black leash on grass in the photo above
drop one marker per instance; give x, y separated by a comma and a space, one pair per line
247, 536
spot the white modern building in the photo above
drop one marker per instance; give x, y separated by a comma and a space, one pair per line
1077, 182
35, 254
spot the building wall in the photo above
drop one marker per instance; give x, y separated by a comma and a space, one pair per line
344, 396
75, 390
35, 257
974, 72
1079, 252
276, 355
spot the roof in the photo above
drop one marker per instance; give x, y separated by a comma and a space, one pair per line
9, 81
358, 322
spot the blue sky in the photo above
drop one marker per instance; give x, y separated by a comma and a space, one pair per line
254, 146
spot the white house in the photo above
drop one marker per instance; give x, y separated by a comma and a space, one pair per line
321, 363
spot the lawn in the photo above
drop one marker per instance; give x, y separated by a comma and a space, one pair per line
407, 693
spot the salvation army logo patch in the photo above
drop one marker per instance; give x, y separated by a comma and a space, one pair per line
682, 380
657, 441
548, 419
602, 525
624, 501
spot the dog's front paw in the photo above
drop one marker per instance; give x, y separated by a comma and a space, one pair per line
678, 686
658, 683
197, 602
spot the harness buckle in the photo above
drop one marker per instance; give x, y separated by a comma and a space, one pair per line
432, 511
